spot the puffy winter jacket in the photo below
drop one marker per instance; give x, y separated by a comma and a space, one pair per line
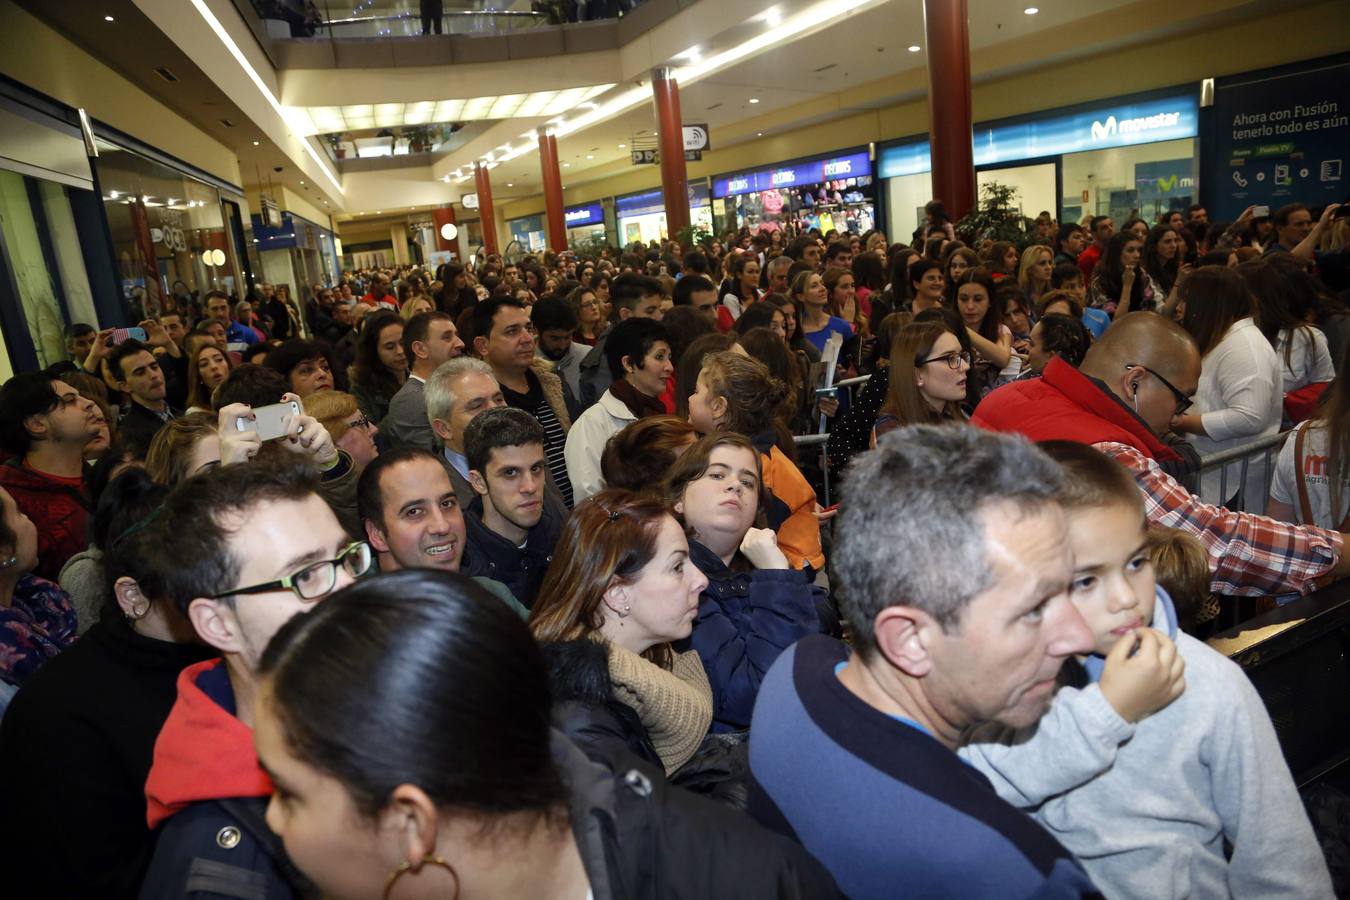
745, 619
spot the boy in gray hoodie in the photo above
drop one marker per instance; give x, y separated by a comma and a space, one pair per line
1148, 806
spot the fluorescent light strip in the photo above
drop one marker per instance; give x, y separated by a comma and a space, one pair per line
210, 18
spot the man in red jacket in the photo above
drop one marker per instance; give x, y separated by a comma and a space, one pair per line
254, 545
1133, 382
45, 425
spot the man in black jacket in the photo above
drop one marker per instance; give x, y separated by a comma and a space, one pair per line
511, 530
141, 378
245, 567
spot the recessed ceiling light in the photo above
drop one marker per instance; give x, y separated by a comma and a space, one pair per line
589, 156
759, 134
302, 181
914, 48
754, 99
509, 184
1031, 10
567, 165
107, 18
255, 143
623, 146
378, 211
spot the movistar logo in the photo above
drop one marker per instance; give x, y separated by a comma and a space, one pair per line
1168, 183
1102, 131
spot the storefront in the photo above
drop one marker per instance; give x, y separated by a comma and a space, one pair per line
830, 193
105, 239
528, 233
169, 232
642, 216
584, 223
297, 253
1124, 157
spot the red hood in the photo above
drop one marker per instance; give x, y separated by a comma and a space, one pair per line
1065, 405
202, 753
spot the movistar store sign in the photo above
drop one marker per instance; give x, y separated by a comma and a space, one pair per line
1116, 123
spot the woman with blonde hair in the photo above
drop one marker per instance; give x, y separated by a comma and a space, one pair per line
620, 592
1033, 274
414, 305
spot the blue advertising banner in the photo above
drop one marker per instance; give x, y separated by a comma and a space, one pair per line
1282, 138
1116, 123
1163, 184
648, 202
578, 216
640, 204
811, 171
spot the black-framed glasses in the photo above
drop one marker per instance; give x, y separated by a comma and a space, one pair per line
1183, 402
361, 422
953, 359
316, 579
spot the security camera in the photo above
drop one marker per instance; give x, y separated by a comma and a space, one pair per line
276, 169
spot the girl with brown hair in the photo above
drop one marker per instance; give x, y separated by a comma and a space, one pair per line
927, 380
755, 605
735, 393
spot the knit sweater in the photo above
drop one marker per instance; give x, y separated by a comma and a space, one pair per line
1148, 808
674, 706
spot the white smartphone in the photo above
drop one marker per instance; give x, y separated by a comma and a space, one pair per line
1260, 212
270, 422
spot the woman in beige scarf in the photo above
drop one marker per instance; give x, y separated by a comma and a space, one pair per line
621, 578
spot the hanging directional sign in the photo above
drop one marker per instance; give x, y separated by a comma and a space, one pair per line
693, 155
645, 157
696, 137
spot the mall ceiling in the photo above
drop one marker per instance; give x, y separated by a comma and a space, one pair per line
829, 67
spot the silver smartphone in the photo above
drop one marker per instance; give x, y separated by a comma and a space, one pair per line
270, 422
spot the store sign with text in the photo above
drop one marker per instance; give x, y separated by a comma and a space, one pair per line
578, 216
1115, 124
1281, 139
813, 171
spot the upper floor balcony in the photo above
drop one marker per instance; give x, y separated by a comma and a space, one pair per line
317, 34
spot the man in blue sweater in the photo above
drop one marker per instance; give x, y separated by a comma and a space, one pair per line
955, 566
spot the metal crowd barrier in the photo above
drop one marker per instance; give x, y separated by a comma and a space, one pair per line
1234, 465
1238, 461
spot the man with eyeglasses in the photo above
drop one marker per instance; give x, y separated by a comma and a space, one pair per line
245, 548
1133, 384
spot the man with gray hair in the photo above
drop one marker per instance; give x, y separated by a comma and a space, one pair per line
953, 559
457, 392
776, 272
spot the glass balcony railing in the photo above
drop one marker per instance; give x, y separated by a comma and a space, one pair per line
412, 18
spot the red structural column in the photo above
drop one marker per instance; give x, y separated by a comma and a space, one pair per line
553, 193
674, 178
948, 34
440, 217
483, 185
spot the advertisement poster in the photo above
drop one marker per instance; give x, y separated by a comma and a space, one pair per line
1282, 138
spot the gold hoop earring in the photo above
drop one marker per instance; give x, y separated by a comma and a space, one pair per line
405, 867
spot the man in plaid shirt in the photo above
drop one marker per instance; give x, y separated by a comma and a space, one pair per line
1134, 381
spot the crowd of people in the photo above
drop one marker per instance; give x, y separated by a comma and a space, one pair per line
586, 628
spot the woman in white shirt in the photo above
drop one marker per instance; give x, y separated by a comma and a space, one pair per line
1287, 307
1312, 477
1241, 391
637, 351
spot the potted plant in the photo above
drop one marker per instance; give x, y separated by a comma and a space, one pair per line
997, 217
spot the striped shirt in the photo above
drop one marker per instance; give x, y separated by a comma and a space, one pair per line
555, 438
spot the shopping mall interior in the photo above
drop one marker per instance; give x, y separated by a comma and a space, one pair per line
268, 141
